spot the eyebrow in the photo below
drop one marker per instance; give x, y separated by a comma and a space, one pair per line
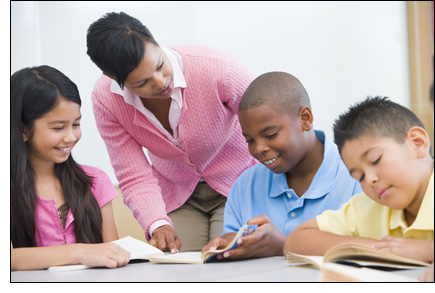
64, 121
157, 66
265, 129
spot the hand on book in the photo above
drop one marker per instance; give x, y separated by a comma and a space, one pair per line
102, 255
266, 241
166, 239
421, 250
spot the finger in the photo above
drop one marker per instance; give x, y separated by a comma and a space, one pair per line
259, 220
251, 238
153, 242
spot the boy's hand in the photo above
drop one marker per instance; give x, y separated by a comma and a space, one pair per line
219, 242
422, 250
266, 240
166, 239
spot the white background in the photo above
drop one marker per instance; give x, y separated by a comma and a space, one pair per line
341, 51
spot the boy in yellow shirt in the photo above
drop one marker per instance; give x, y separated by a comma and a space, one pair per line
385, 147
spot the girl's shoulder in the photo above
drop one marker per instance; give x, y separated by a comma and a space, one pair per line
95, 173
102, 187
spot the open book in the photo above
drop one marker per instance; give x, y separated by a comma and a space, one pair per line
357, 255
137, 248
197, 257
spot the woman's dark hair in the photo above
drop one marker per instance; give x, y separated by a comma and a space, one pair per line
116, 44
34, 92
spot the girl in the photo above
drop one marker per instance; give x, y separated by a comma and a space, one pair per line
54, 200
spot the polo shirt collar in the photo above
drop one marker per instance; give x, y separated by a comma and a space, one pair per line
425, 216
326, 172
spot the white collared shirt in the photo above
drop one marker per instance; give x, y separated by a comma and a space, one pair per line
174, 110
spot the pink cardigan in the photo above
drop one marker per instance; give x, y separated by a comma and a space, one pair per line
212, 146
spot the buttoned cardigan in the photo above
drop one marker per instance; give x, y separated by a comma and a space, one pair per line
211, 147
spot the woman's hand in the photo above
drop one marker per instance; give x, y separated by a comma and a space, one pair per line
166, 239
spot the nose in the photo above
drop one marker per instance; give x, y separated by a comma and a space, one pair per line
159, 80
72, 135
372, 178
260, 148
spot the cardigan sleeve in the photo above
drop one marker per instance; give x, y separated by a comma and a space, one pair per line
236, 80
139, 187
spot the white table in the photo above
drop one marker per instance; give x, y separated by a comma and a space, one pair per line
271, 269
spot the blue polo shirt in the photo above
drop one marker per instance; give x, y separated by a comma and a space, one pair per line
259, 191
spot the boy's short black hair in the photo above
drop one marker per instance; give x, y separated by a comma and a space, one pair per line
116, 44
280, 90
376, 117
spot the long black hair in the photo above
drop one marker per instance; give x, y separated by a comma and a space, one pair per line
34, 92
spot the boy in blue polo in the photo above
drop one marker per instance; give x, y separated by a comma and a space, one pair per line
300, 174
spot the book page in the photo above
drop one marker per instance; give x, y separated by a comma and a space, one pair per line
332, 272
138, 248
357, 253
181, 257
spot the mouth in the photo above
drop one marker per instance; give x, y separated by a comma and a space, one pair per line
270, 161
65, 149
167, 90
383, 192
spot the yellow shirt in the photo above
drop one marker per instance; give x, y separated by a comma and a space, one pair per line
363, 217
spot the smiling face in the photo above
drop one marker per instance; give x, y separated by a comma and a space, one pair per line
55, 134
387, 170
275, 139
154, 77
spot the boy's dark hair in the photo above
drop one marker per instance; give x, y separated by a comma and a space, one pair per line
116, 44
376, 117
281, 91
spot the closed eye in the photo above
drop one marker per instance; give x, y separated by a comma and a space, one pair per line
377, 161
270, 136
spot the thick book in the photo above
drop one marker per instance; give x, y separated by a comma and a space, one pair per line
138, 249
357, 255
196, 257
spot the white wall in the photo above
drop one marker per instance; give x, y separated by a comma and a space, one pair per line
341, 51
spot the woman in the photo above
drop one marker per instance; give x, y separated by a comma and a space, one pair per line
180, 104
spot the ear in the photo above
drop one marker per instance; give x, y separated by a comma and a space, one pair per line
306, 118
419, 141
25, 135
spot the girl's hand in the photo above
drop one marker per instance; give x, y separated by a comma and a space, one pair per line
267, 240
413, 248
108, 255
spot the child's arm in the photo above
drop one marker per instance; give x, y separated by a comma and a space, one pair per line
422, 250
308, 239
36, 258
109, 228
105, 254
